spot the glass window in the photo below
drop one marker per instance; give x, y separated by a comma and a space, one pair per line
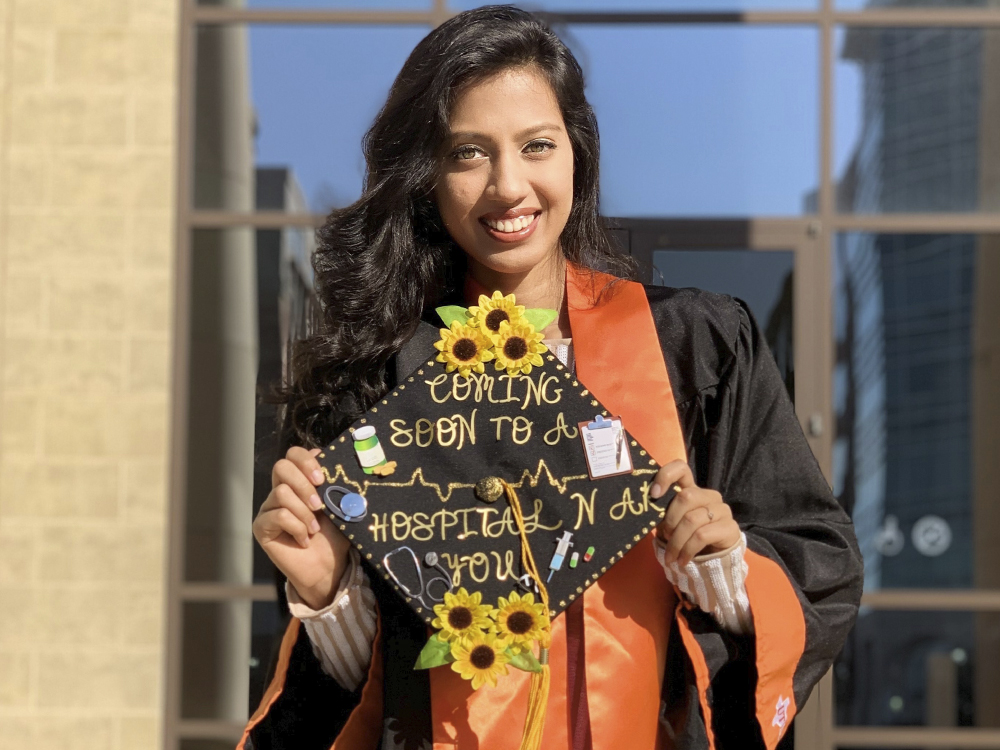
917, 399
703, 120
915, 130
881, 4
215, 678
762, 279
927, 668
251, 291
325, 4
268, 626
625, 6
292, 97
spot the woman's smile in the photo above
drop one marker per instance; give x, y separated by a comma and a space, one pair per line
511, 226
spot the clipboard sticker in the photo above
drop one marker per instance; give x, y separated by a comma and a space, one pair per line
606, 447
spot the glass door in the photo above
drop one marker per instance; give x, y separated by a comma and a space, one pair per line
780, 269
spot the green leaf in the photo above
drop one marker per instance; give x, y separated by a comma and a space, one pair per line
450, 313
540, 317
434, 654
525, 661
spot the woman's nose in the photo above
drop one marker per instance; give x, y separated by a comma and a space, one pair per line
509, 181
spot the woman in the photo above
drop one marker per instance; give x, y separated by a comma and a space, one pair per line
482, 176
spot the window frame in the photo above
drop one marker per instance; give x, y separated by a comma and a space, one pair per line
812, 236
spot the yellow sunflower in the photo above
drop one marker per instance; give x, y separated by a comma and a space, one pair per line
480, 659
518, 347
463, 348
462, 616
520, 620
492, 311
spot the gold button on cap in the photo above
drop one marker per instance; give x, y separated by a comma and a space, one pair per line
489, 489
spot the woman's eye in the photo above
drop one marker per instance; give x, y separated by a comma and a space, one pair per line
538, 147
466, 152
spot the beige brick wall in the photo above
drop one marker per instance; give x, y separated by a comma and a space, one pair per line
86, 206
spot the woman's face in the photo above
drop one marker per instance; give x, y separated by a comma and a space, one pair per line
506, 184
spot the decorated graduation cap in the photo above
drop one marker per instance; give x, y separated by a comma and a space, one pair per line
490, 488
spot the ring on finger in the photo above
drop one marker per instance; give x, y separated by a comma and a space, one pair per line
711, 515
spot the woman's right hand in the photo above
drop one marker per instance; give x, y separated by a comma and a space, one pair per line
303, 544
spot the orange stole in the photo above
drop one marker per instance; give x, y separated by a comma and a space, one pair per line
628, 612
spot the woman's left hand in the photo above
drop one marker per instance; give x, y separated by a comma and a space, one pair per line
698, 521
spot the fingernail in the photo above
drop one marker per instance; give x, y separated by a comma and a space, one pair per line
317, 476
315, 503
656, 490
314, 526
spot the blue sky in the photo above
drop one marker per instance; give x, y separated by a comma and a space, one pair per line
695, 120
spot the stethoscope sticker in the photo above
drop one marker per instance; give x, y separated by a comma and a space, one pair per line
349, 506
431, 560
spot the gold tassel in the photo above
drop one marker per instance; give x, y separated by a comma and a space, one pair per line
538, 692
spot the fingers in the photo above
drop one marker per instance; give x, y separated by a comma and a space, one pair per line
306, 462
696, 518
298, 473
676, 472
684, 502
271, 524
286, 498
710, 536
704, 525
291, 505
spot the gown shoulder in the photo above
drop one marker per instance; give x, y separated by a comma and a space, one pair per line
699, 333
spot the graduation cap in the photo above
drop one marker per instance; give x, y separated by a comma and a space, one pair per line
487, 476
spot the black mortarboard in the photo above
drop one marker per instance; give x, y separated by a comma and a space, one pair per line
449, 431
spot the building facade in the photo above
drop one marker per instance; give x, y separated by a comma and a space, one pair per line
88, 151
907, 389
163, 164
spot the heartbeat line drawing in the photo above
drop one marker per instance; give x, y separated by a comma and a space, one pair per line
445, 494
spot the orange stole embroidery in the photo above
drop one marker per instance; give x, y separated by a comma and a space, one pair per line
628, 612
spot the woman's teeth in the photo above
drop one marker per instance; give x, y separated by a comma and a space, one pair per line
510, 225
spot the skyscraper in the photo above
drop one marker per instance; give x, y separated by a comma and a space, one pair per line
906, 316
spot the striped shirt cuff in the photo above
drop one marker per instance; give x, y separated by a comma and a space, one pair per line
715, 582
341, 634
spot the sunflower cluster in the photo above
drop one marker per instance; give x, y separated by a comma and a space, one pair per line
494, 330
484, 639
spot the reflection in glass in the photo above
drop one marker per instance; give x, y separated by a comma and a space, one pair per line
926, 668
215, 678
251, 292
625, 6
221, 383
924, 134
290, 96
269, 621
880, 4
917, 397
761, 279
703, 120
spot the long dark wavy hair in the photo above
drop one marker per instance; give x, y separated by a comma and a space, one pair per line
386, 260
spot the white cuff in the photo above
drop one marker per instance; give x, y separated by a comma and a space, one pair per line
715, 582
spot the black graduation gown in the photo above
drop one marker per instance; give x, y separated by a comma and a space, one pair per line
744, 440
